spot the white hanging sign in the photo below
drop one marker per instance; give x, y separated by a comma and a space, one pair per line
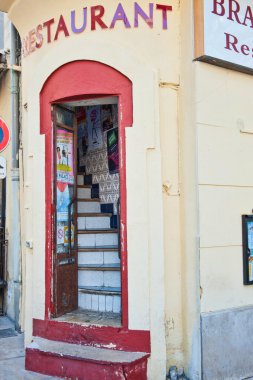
224, 33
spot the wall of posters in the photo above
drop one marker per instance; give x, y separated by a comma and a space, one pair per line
64, 185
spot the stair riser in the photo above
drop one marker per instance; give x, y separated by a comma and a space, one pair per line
100, 303
98, 258
99, 278
64, 367
84, 193
80, 180
98, 240
94, 222
88, 207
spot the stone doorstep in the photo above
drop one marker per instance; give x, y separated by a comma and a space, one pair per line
86, 353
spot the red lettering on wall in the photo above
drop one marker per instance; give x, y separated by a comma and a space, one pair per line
25, 46
48, 25
61, 28
231, 42
245, 49
248, 16
39, 36
32, 41
218, 8
97, 17
165, 9
233, 11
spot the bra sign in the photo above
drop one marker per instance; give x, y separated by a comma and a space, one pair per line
223, 33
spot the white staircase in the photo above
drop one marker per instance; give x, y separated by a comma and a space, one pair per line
99, 275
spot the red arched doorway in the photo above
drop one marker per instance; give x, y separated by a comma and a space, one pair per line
74, 83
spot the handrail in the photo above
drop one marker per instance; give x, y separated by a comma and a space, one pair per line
69, 222
118, 223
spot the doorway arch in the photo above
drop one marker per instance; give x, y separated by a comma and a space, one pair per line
74, 81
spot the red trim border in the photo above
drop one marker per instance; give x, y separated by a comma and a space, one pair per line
6, 133
73, 81
104, 337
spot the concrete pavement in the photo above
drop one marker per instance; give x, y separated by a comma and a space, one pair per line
12, 355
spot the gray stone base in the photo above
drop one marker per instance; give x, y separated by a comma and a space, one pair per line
227, 344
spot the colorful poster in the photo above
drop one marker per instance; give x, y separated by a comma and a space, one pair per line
95, 134
64, 156
113, 151
63, 200
66, 235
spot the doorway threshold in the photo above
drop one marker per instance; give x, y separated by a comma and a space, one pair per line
88, 317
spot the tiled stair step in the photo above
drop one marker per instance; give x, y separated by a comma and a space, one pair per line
96, 238
84, 191
103, 267
80, 180
100, 257
74, 361
89, 277
104, 290
89, 205
93, 221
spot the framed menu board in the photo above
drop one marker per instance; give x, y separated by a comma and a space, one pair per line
247, 232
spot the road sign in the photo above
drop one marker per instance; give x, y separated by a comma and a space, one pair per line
4, 135
2, 167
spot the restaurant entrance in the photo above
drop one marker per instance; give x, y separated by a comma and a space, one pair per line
86, 259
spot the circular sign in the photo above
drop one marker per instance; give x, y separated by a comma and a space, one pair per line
4, 135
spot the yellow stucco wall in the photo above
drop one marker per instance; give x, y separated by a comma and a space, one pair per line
150, 58
193, 180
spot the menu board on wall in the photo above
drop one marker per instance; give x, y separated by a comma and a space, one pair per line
247, 234
224, 34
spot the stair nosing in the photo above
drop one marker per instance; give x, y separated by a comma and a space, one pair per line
93, 214
98, 249
100, 268
106, 291
88, 200
98, 231
86, 353
84, 186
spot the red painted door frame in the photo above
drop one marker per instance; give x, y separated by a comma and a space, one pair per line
73, 81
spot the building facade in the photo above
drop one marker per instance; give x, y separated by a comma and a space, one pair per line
134, 173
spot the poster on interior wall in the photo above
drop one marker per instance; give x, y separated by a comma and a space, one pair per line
113, 151
63, 200
115, 115
64, 156
95, 133
106, 117
82, 138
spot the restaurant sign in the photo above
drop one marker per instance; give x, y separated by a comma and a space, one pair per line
224, 33
94, 18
